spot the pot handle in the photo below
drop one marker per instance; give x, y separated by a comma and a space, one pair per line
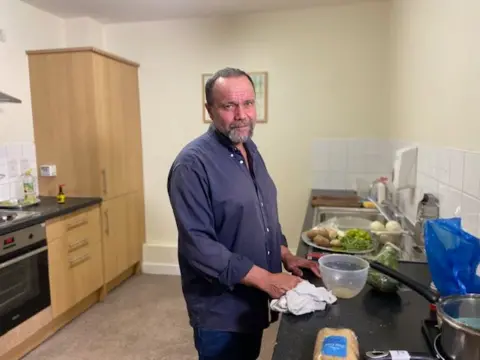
423, 290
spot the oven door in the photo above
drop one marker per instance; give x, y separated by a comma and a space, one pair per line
24, 284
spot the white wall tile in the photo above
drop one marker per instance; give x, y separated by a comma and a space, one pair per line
320, 155
337, 180
471, 174
14, 150
15, 159
337, 160
456, 160
442, 165
450, 200
320, 180
470, 214
4, 191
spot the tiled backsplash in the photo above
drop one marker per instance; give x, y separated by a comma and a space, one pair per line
453, 175
15, 159
337, 163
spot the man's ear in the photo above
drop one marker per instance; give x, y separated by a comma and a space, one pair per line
209, 110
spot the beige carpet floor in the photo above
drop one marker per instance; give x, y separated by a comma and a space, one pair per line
143, 319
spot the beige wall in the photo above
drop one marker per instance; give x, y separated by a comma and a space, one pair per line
25, 28
328, 78
436, 92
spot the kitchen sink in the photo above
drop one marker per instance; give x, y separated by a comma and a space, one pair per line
322, 214
411, 250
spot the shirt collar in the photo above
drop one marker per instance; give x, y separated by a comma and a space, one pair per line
225, 141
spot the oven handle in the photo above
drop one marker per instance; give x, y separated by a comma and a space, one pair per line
23, 257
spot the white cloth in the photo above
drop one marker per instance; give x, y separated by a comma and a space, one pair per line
304, 298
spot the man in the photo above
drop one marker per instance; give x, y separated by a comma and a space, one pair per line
230, 242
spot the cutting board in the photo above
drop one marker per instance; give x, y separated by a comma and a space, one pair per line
337, 201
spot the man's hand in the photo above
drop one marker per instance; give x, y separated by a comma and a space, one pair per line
274, 285
279, 284
295, 264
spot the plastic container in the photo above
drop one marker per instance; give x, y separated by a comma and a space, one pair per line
344, 275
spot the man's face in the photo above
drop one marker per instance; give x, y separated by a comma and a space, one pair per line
233, 110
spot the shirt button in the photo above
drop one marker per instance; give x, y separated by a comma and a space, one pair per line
231, 155
268, 230
261, 204
241, 161
268, 252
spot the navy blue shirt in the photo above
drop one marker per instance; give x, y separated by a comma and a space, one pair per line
227, 219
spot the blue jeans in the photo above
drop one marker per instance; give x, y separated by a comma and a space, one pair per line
225, 345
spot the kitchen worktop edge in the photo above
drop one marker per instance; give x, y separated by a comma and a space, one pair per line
47, 209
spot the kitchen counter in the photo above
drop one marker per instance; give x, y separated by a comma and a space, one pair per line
48, 208
380, 321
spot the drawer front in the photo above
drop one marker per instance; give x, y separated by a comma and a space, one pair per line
82, 221
86, 266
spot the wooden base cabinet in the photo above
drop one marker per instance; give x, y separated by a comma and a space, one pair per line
75, 258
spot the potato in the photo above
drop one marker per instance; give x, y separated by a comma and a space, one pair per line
332, 233
336, 344
321, 241
323, 231
336, 243
311, 234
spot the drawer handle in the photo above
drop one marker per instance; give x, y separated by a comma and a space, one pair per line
77, 224
77, 245
79, 260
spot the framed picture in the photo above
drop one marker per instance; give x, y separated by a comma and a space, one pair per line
260, 80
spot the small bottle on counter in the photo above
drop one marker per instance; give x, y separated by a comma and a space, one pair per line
61, 195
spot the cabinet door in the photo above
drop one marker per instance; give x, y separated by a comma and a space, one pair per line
136, 227
112, 133
64, 123
133, 141
115, 236
62, 291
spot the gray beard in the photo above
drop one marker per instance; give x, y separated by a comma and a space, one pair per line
236, 138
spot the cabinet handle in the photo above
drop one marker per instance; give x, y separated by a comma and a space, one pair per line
107, 225
79, 260
77, 224
104, 178
77, 245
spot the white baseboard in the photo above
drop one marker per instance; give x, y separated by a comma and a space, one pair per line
160, 268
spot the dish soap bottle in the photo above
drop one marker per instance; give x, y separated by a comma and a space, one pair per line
29, 196
61, 195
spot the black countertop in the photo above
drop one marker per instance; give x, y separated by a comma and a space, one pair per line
48, 208
380, 321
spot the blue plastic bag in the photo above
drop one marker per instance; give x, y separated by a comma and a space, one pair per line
453, 257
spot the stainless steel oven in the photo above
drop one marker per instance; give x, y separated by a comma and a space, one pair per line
24, 282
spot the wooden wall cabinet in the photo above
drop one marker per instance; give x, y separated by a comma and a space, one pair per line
86, 119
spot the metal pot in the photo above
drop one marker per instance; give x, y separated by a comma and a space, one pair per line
459, 315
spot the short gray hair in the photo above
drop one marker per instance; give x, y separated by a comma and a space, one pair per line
227, 72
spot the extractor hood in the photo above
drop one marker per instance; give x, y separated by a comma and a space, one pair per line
5, 98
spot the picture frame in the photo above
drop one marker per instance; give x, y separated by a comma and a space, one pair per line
260, 80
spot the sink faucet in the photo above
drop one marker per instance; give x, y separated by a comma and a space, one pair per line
428, 208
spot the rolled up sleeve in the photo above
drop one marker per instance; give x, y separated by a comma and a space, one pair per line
198, 243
